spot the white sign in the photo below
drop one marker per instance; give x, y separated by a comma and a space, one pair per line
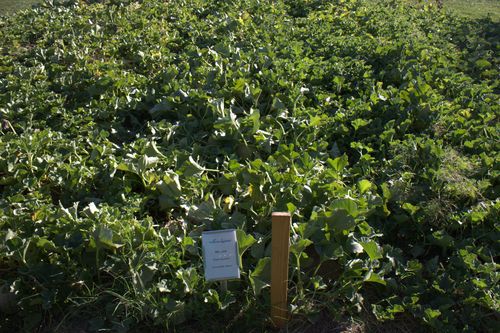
220, 255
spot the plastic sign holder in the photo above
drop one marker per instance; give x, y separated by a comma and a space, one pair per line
220, 256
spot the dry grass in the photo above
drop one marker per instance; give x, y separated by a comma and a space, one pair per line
365, 323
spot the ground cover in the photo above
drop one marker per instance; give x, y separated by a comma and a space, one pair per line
475, 9
11, 6
128, 128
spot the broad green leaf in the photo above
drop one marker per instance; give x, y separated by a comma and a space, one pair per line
358, 123
105, 237
291, 207
46, 244
146, 163
410, 208
480, 283
202, 212
386, 192
298, 247
340, 221
277, 105
244, 242
374, 277
372, 249
356, 247
124, 167
430, 315
166, 202
92, 208
10, 235
170, 185
339, 163
364, 185
188, 245
212, 297
483, 63
349, 205
152, 150
329, 250
146, 274
441, 238
189, 277
318, 283
260, 277
254, 117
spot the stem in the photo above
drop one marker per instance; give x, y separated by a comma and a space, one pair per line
300, 287
223, 286
97, 264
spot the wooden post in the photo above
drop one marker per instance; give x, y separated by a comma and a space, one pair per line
280, 249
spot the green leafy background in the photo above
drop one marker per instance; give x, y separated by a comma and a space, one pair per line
129, 127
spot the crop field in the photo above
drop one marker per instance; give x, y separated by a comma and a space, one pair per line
128, 128
469, 8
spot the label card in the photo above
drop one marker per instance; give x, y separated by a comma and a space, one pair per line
220, 255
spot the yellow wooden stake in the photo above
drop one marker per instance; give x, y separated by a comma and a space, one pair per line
280, 249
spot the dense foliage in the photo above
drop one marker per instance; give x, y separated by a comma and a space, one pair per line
128, 127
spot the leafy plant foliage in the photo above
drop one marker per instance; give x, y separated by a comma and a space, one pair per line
129, 127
